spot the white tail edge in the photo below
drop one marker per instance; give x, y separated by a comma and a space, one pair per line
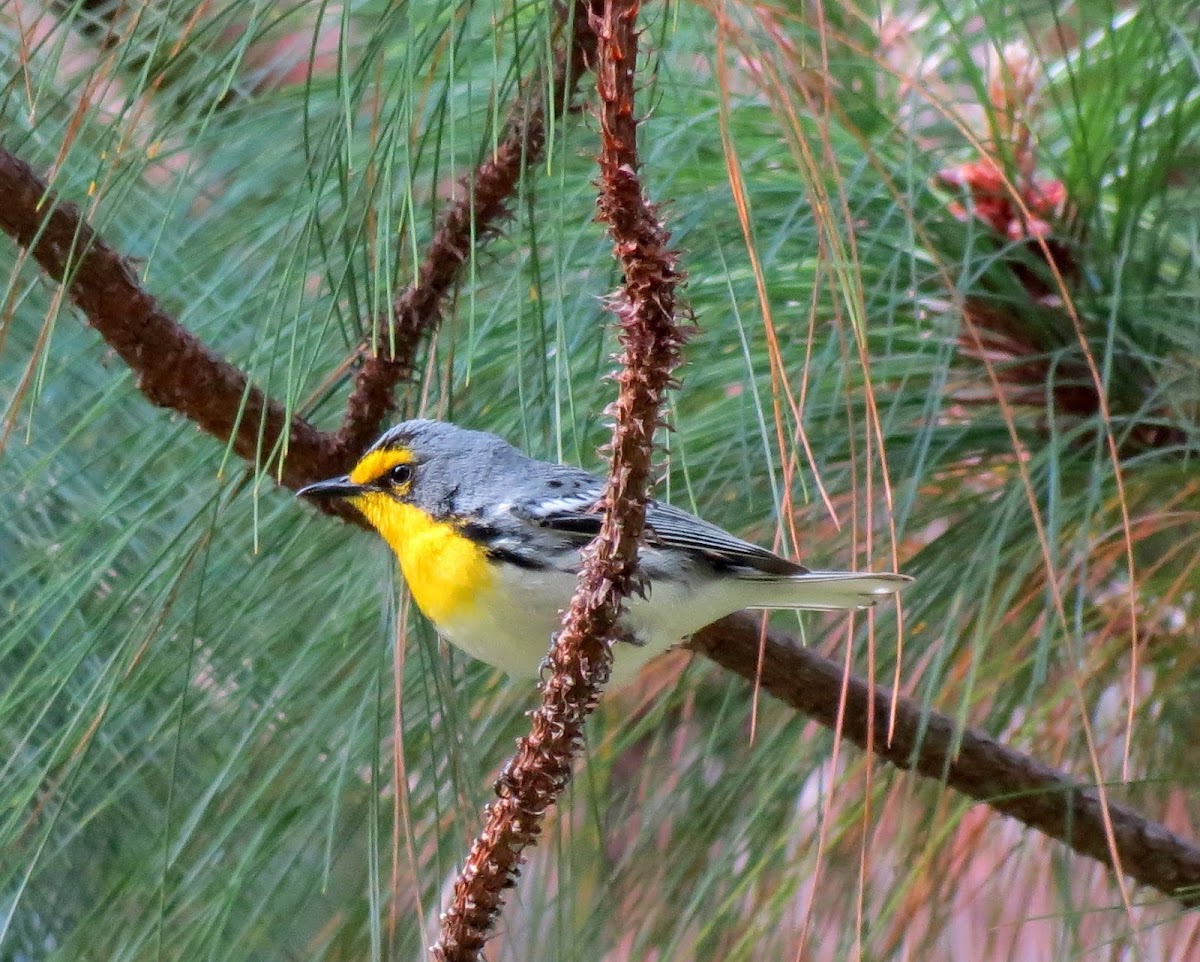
826, 590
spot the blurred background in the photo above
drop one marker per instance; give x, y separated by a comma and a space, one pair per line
943, 258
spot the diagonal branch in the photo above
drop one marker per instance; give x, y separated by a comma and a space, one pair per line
174, 369
933, 744
465, 224
580, 660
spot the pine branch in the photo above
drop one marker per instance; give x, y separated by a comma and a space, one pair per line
581, 657
466, 224
174, 369
933, 744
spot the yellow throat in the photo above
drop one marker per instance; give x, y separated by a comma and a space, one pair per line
448, 574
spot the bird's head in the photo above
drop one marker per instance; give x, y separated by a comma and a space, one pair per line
427, 465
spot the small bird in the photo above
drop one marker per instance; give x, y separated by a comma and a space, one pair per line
489, 543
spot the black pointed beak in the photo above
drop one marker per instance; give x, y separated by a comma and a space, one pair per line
334, 489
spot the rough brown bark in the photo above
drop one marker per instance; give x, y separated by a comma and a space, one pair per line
928, 742
582, 654
174, 369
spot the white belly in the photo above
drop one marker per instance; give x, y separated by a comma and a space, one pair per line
512, 628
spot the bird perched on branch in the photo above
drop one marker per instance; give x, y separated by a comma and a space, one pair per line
489, 543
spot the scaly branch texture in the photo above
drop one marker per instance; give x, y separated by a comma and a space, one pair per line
582, 655
174, 369
931, 743
482, 207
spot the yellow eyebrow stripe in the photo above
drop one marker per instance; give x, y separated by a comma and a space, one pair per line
374, 464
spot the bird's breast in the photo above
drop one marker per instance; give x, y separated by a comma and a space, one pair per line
448, 574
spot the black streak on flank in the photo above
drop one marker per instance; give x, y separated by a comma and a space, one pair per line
587, 525
487, 537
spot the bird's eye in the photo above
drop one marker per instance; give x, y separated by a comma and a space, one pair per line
400, 475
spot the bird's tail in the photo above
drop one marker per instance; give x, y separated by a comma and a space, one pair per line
824, 590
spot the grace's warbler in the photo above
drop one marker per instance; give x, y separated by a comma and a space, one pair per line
488, 542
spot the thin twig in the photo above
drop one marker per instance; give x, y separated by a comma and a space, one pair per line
482, 206
581, 657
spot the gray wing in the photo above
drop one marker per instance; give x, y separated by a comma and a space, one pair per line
572, 515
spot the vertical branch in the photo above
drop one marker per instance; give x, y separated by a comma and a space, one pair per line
581, 658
